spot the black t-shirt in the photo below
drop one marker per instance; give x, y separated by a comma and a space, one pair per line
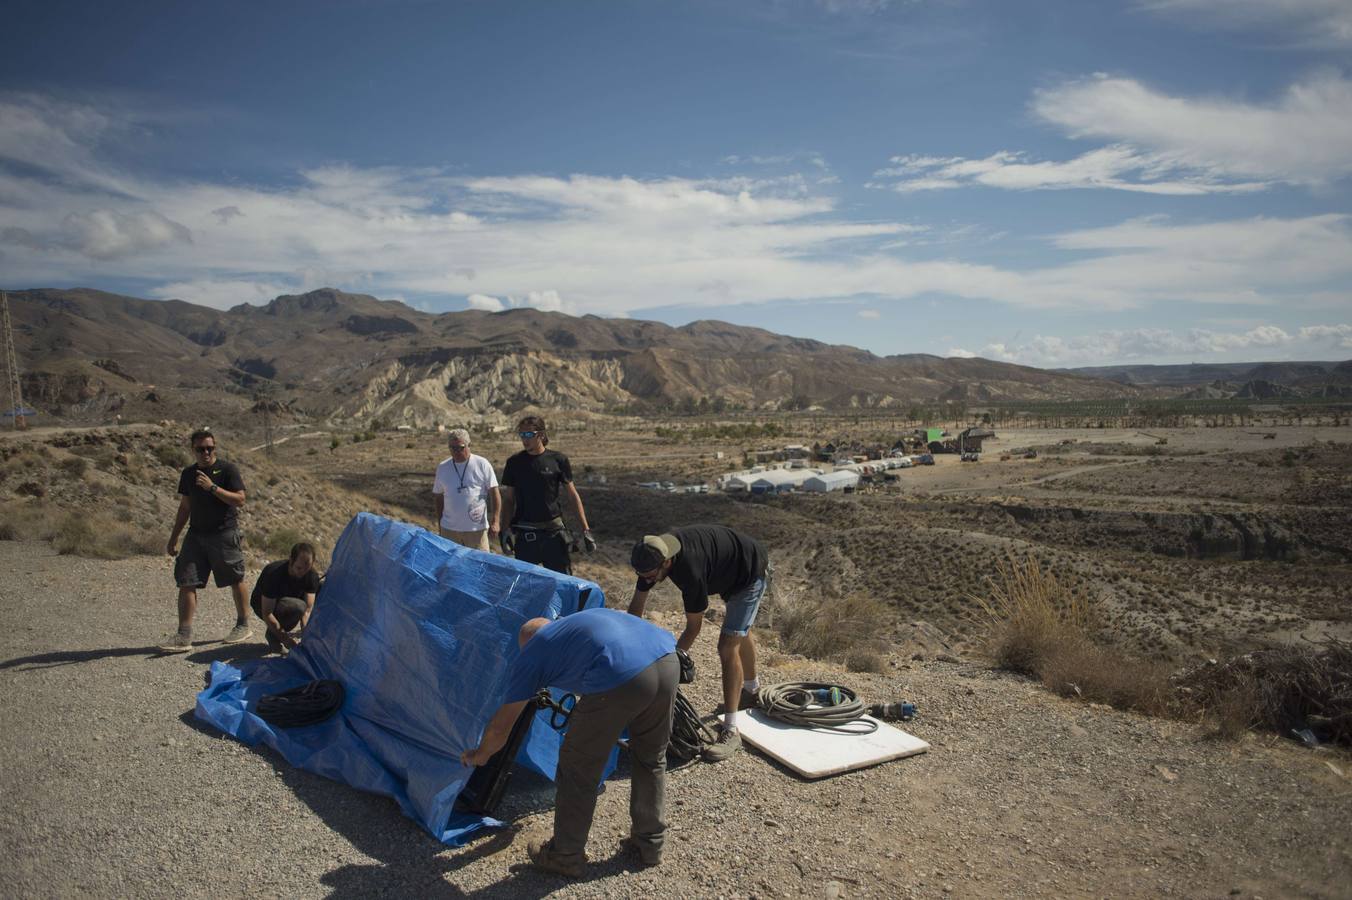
210, 513
535, 482
276, 582
714, 559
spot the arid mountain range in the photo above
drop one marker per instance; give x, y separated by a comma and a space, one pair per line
338, 357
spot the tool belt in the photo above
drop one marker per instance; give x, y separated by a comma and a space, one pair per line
534, 531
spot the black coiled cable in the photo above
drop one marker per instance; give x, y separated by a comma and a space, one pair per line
689, 735
309, 704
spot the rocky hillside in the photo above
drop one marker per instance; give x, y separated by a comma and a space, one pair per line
342, 357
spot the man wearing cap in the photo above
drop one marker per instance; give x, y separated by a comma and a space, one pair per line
466, 490
531, 483
625, 672
703, 560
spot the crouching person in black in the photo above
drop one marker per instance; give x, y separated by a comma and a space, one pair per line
284, 597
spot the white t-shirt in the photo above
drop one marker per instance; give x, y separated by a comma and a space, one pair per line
466, 488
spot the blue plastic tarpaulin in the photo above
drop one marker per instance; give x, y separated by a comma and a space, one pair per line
421, 633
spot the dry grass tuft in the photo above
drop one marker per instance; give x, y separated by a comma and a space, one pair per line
279, 542
1283, 689
835, 627
1036, 626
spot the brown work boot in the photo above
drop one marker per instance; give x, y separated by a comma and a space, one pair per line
646, 854
543, 857
729, 742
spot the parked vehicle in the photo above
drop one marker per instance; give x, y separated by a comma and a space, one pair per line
969, 456
925, 459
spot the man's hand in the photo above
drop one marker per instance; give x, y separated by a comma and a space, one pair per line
687, 666
204, 480
475, 757
172, 547
588, 541
289, 640
508, 541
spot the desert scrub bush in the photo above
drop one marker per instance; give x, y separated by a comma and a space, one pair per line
278, 543
831, 627
1282, 689
74, 466
171, 456
1034, 625
100, 537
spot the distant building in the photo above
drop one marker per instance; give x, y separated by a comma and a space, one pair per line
839, 480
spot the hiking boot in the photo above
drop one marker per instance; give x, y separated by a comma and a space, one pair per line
644, 854
750, 700
729, 742
543, 857
176, 643
238, 634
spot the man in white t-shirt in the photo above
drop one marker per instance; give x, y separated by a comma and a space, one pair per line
467, 496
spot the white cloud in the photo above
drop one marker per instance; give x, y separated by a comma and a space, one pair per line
1162, 144
1339, 336
108, 234
1116, 167
1313, 23
484, 302
223, 294
611, 246
1303, 137
869, 314
1151, 344
226, 213
961, 353
549, 301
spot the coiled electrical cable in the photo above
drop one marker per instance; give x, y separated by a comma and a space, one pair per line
833, 707
309, 704
689, 735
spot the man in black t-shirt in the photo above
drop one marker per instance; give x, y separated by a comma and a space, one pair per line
210, 493
703, 560
284, 596
530, 486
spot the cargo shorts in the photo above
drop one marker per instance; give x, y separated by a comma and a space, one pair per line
219, 553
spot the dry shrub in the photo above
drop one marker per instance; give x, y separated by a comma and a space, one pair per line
33, 521
828, 627
1283, 689
278, 543
1036, 626
74, 466
1101, 674
1030, 617
100, 537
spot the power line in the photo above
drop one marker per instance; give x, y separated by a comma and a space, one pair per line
12, 368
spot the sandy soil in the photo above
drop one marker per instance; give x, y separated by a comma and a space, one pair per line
114, 790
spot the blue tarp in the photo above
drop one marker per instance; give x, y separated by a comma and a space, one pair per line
420, 632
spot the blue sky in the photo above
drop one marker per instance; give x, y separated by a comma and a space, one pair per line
1053, 183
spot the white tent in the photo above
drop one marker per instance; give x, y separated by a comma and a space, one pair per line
832, 481
779, 480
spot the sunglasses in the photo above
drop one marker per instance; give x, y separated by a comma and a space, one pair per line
205, 451
527, 435
458, 447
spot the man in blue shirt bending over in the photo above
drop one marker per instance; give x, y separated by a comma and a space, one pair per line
625, 671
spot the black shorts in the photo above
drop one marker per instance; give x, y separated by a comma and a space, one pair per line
219, 553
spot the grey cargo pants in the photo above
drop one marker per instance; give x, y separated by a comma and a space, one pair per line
643, 704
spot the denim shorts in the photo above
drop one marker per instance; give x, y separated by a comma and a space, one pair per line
743, 606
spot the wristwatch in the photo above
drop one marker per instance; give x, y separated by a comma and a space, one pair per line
215, 488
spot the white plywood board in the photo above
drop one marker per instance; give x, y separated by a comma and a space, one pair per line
816, 753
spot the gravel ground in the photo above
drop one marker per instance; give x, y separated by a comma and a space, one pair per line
114, 790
